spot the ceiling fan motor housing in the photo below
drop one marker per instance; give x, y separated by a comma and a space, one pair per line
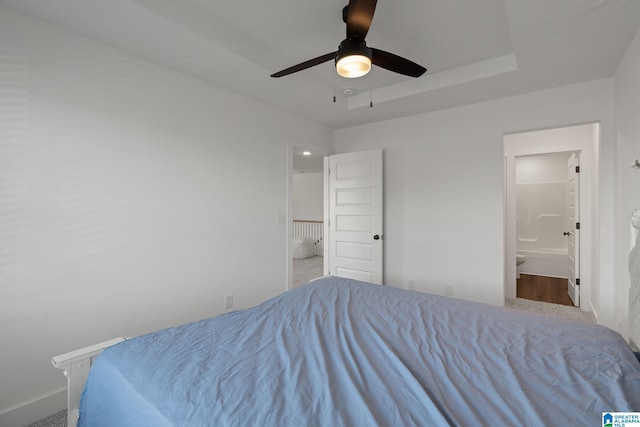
350, 47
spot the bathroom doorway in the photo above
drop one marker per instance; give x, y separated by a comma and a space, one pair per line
557, 143
545, 202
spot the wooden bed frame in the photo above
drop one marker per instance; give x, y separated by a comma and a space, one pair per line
75, 366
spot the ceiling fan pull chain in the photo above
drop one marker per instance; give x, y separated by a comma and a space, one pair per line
334, 87
371, 90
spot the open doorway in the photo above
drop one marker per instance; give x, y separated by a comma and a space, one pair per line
351, 202
305, 212
584, 141
545, 238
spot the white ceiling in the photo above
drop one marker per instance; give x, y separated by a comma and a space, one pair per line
473, 50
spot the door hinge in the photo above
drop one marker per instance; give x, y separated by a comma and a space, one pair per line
577, 226
577, 282
577, 169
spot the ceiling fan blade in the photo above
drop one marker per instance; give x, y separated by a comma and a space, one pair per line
396, 63
359, 17
306, 64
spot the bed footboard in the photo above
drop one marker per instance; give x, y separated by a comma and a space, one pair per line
75, 366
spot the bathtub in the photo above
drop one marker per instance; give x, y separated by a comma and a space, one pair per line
551, 263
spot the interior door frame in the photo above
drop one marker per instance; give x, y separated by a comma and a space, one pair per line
292, 145
573, 166
589, 160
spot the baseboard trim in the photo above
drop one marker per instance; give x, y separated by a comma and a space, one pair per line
34, 410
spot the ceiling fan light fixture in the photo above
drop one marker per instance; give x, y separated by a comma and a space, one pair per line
353, 66
353, 59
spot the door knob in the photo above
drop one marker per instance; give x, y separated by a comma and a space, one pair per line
376, 237
566, 233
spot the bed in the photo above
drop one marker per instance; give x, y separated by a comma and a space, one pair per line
338, 352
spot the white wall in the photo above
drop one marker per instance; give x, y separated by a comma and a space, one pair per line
123, 206
308, 202
444, 184
627, 113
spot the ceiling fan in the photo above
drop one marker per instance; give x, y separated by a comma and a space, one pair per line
353, 58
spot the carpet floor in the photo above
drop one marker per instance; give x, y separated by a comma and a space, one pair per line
56, 420
573, 313
308, 269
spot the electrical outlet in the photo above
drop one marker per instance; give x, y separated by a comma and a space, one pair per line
228, 301
411, 284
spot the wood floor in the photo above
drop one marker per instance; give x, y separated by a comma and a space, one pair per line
545, 289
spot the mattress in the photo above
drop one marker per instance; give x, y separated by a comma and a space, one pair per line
338, 352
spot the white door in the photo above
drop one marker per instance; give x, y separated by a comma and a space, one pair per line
355, 241
574, 229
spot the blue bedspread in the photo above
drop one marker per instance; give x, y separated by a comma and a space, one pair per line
344, 353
